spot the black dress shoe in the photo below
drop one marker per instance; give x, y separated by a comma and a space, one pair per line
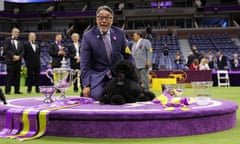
18, 93
2, 97
37, 90
75, 89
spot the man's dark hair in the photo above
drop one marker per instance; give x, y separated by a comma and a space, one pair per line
104, 7
139, 33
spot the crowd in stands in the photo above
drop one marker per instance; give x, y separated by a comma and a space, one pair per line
217, 51
213, 51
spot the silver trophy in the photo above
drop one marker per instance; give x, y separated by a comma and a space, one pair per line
48, 91
62, 77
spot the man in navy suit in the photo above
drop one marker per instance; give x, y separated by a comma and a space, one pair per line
102, 47
14, 50
57, 51
221, 61
32, 59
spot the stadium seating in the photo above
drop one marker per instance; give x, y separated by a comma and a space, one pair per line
159, 60
214, 42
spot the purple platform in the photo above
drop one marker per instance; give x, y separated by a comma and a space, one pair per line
139, 120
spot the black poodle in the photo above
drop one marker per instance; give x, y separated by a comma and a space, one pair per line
125, 88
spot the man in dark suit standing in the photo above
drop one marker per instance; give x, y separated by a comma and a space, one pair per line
14, 50
74, 55
32, 59
57, 51
102, 47
221, 61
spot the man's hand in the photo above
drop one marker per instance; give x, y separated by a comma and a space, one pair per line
16, 58
148, 64
77, 59
86, 92
61, 53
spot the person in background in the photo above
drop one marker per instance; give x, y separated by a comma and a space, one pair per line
212, 59
204, 64
190, 59
103, 46
57, 51
14, 50
149, 33
202, 55
165, 49
74, 55
235, 62
195, 65
195, 51
221, 61
32, 59
142, 54
210, 55
178, 60
2, 60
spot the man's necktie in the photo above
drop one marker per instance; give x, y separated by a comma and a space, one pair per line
33, 46
14, 43
59, 45
108, 45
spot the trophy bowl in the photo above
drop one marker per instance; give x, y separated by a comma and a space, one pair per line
202, 92
62, 79
48, 91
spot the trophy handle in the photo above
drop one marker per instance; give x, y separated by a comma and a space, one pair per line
49, 74
73, 73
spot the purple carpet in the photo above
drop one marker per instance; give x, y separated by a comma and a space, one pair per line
138, 120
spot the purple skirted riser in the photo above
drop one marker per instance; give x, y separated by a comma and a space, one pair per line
142, 129
140, 120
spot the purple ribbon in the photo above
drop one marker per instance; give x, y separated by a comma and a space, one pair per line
32, 116
17, 126
13, 125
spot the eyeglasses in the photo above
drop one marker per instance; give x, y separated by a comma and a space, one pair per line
104, 17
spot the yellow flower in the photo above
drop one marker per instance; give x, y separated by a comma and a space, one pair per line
127, 50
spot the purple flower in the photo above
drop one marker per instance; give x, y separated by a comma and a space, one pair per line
114, 38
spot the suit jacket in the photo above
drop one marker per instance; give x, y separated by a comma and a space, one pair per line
53, 52
223, 63
233, 66
142, 53
190, 59
72, 54
10, 50
31, 57
94, 60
